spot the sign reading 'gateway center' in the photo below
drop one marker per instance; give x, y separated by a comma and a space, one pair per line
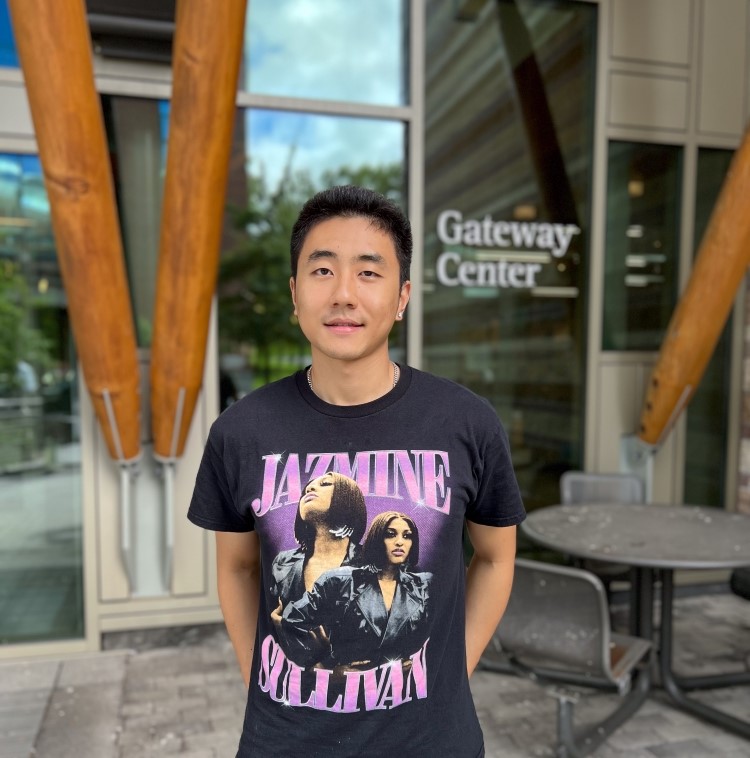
508, 239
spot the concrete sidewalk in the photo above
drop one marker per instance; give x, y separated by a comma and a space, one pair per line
188, 699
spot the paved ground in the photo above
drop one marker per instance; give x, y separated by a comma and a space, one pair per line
187, 699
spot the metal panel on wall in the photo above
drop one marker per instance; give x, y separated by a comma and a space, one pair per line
723, 74
653, 32
15, 116
656, 102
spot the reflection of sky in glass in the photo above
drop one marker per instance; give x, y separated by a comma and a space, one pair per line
22, 191
327, 49
8, 55
163, 109
316, 144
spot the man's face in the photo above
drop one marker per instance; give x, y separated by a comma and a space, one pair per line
346, 294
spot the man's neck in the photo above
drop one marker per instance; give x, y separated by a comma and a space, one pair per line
352, 382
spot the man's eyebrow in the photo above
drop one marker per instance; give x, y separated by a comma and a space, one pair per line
371, 258
317, 255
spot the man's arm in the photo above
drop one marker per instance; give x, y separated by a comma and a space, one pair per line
238, 570
488, 584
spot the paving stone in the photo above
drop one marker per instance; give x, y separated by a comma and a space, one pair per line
607, 751
81, 721
96, 669
16, 747
222, 744
682, 749
28, 675
136, 709
724, 743
21, 714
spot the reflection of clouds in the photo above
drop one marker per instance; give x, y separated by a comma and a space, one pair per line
326, 49
22, 190
319, 143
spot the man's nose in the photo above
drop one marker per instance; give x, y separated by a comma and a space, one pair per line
345, 290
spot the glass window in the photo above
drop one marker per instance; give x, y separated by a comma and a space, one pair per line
8, 56
327, 49
642, 245
137, 131
41, 575
279, 160
508, 161
708, 412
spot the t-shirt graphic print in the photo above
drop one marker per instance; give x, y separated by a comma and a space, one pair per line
353, 606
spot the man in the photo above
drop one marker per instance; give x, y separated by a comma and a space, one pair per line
413, 443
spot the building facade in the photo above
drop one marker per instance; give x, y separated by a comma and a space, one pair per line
559, 161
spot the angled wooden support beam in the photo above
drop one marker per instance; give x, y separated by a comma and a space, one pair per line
54, 49
704, 307
206, 57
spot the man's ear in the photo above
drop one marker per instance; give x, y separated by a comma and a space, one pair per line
403, 298
293, 288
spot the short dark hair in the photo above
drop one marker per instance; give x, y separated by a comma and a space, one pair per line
373, 551
350, 201
347, 511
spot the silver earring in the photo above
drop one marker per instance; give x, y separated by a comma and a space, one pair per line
400, 314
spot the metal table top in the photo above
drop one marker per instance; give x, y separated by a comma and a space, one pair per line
652, 535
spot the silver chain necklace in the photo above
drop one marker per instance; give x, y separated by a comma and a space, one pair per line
396, 375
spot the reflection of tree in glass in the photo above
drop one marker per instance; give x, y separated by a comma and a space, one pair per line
255, 309
23, 347
388, 180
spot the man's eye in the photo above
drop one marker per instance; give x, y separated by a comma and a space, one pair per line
370, 274
322, 271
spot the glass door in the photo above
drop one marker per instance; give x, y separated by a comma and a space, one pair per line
509, 119
41, 556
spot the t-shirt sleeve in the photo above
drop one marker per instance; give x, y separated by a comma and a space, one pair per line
213, 504
498, 501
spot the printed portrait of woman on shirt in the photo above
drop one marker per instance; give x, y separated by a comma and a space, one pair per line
364, 615
330, 522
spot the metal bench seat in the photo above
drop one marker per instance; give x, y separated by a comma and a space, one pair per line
556, 631
589, 487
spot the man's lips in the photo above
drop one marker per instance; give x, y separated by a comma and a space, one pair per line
342, 327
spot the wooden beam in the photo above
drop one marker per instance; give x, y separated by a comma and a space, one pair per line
703, 309
55, 53
206, 57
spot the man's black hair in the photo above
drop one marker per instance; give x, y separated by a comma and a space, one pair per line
349, 201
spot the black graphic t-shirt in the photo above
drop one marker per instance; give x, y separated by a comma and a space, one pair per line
359, 510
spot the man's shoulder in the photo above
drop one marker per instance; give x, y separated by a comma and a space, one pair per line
256, 405
433, 388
